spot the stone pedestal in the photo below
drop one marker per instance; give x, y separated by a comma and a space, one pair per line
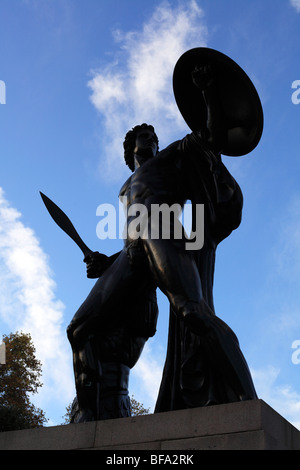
250, 425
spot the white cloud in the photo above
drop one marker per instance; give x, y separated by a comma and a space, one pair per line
137, 86
296, 5
146, 377
288, 249
282, 398
28, 303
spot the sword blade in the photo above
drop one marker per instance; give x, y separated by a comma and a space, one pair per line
63, 221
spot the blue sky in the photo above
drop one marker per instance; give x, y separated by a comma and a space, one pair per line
78, 75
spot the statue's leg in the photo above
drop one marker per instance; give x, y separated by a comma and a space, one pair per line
102, 386
113, 400
86, 382
104, 309
117, 352
176, 274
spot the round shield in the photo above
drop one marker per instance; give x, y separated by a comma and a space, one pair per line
238, 99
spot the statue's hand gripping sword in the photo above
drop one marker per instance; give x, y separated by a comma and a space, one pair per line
66, 225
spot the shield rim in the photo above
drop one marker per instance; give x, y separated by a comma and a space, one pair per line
187, 94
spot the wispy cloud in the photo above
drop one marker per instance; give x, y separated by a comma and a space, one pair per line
288, 251
296, 5
279, 325
137, 86
146, 377
282, 398
282, 281
28, 302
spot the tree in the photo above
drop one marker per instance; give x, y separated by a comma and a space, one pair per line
137, 409
19, 377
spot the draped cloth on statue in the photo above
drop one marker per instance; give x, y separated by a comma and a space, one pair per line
210, 368
203, 370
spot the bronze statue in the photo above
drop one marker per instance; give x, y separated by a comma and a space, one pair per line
204, 364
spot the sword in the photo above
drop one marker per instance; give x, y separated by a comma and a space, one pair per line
65, 224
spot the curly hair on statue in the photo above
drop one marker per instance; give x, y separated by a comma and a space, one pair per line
129, 143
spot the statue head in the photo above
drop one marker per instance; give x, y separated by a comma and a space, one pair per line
140, 140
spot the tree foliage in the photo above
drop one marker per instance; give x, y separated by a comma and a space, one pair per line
137, 408
19, 378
